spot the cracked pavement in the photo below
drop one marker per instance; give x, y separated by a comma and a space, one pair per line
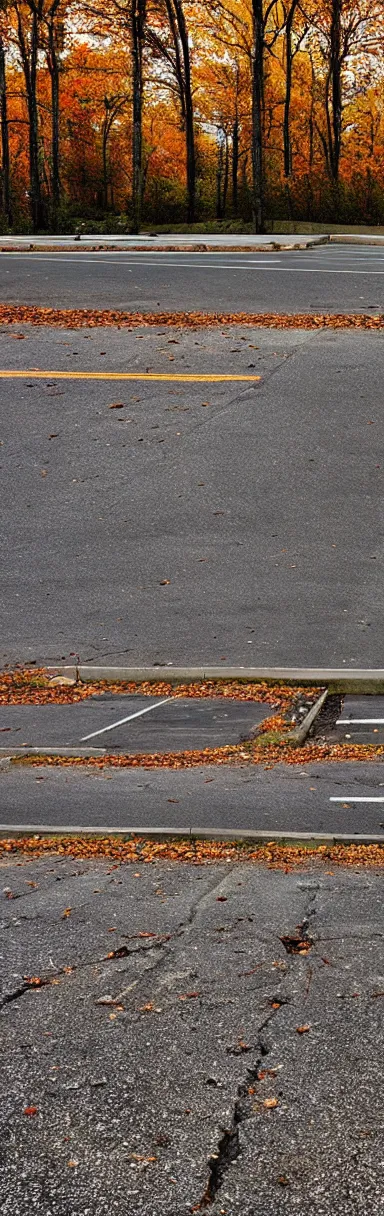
174, 1056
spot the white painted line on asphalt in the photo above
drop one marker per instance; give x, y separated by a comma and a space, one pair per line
348, 799
102, 254
84, 261
193, 265
130, 717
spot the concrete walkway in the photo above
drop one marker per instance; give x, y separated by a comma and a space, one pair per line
181, 240
169, 241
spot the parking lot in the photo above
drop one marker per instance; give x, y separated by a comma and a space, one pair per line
326, 278
201, 520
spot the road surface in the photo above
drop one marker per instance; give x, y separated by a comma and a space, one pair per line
323, 279
200, 522
343, 798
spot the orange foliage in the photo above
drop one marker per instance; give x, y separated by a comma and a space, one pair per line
94, 77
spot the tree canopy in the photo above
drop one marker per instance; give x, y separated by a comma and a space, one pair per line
166, 111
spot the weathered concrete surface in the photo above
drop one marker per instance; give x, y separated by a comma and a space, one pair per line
162, 1104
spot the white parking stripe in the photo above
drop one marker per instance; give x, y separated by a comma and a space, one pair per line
348, 799
122, 721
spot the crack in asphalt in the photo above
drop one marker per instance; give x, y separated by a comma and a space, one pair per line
229, 1146
123, 951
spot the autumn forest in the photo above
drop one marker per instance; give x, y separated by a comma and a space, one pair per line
124, 113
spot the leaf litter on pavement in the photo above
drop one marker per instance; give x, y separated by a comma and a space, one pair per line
144, 850
35, 686
91, 318
272, 745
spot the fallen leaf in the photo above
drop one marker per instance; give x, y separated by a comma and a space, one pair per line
30, 1110
140, 1157
164, 582
66, 913
188, 996
270, 1103
303, 1029
117, 405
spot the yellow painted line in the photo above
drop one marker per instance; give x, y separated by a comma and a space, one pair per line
190, 378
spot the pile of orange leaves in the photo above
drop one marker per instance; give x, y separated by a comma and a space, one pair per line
91, 318
198, 852
33, 686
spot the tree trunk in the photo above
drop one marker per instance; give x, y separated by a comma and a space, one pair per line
235, 166
138, 19
226, 177
182, 33
335, 72
257, 117
235, 149
54, 70
5, 164
105, 161
29, 55
333, 92
219, 181
288, 90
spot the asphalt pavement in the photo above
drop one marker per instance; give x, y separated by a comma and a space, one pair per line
333, 799
199, 522
164, 1051
326, 278
132, 724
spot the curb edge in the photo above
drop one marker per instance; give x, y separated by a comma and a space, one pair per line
256, 837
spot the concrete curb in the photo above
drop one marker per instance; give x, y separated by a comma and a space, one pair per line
198, 246
337, 679
299, 735
253, 837
355, 238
